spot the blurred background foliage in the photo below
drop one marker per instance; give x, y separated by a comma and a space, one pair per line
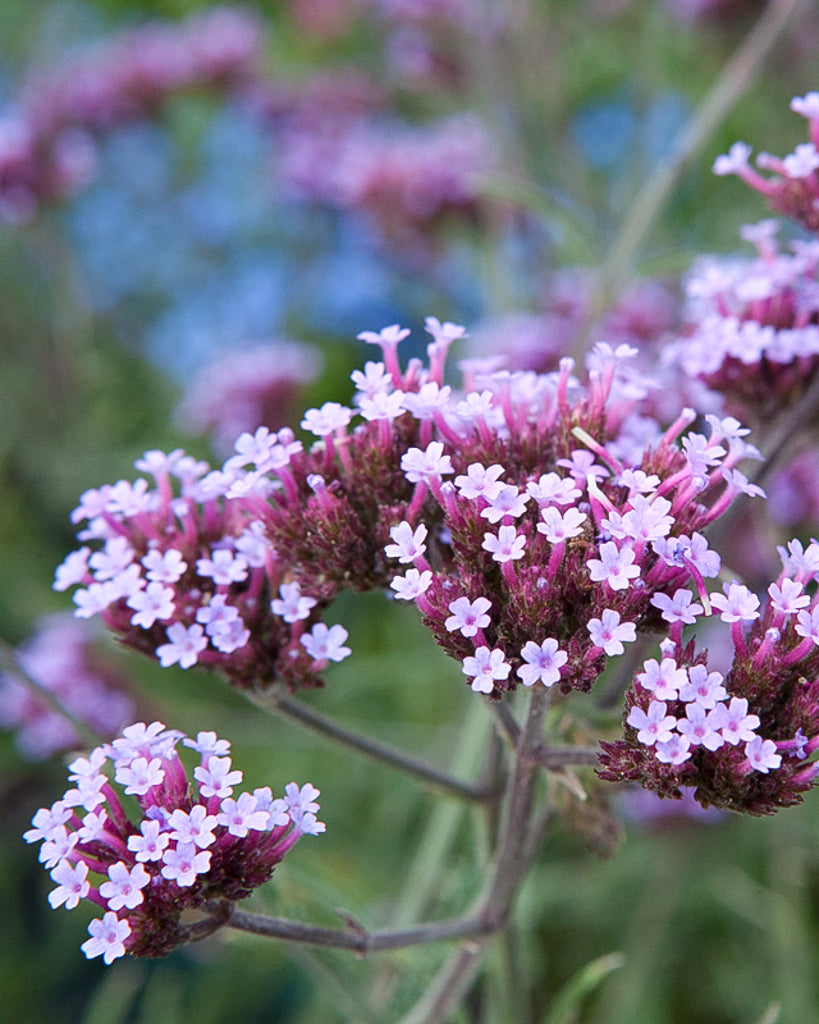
183, 248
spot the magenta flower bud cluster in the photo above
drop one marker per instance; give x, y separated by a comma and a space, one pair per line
46, 143
193, 841
531, 519
754, 324
743, 740
793, 188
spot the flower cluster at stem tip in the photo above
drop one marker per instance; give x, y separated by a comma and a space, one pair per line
533, 520
536, 522
793, 188
752, 329
193, 841
744, 740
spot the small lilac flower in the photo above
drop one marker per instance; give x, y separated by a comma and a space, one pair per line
703, 727
739, 726
664, 680
124, 886
47, 821
215, 777
647, 520
615, 566
242, 815
182, 863
703, 687
507, 546
73, 569
762, 754
468, 616
788, 598
581, 465
231, 638
609, 633
115, 557
808, 624
693, 550
507, 502
431, 463
412, 584
150, 843
108, 937
140, 775
673, 751
737, 604
654, 725
553, 489
92, 600
154, 603
223, 568
326, 643
485, 668
72, 884
560, 526
480, 481
291, 604
58, 847
382, 405
409, 543
679, 608
164, 566
183, 647
544, 662
194, 826
332, 416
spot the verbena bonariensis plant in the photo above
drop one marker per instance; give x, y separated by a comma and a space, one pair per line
540, 523
538, 530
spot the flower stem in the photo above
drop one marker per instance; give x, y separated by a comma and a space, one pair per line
375, 749
725, 93
506, 872
354, 937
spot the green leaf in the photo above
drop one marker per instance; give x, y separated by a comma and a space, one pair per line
566, 1003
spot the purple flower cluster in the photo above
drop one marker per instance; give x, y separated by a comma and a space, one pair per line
532, 520
407, 180
59, 658
193, 842
46, 142
754, 324
794, 188
742, 739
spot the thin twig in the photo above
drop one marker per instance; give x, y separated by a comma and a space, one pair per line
375, 749
223, 913
508, 725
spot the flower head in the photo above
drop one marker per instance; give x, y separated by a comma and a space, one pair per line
189, 844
